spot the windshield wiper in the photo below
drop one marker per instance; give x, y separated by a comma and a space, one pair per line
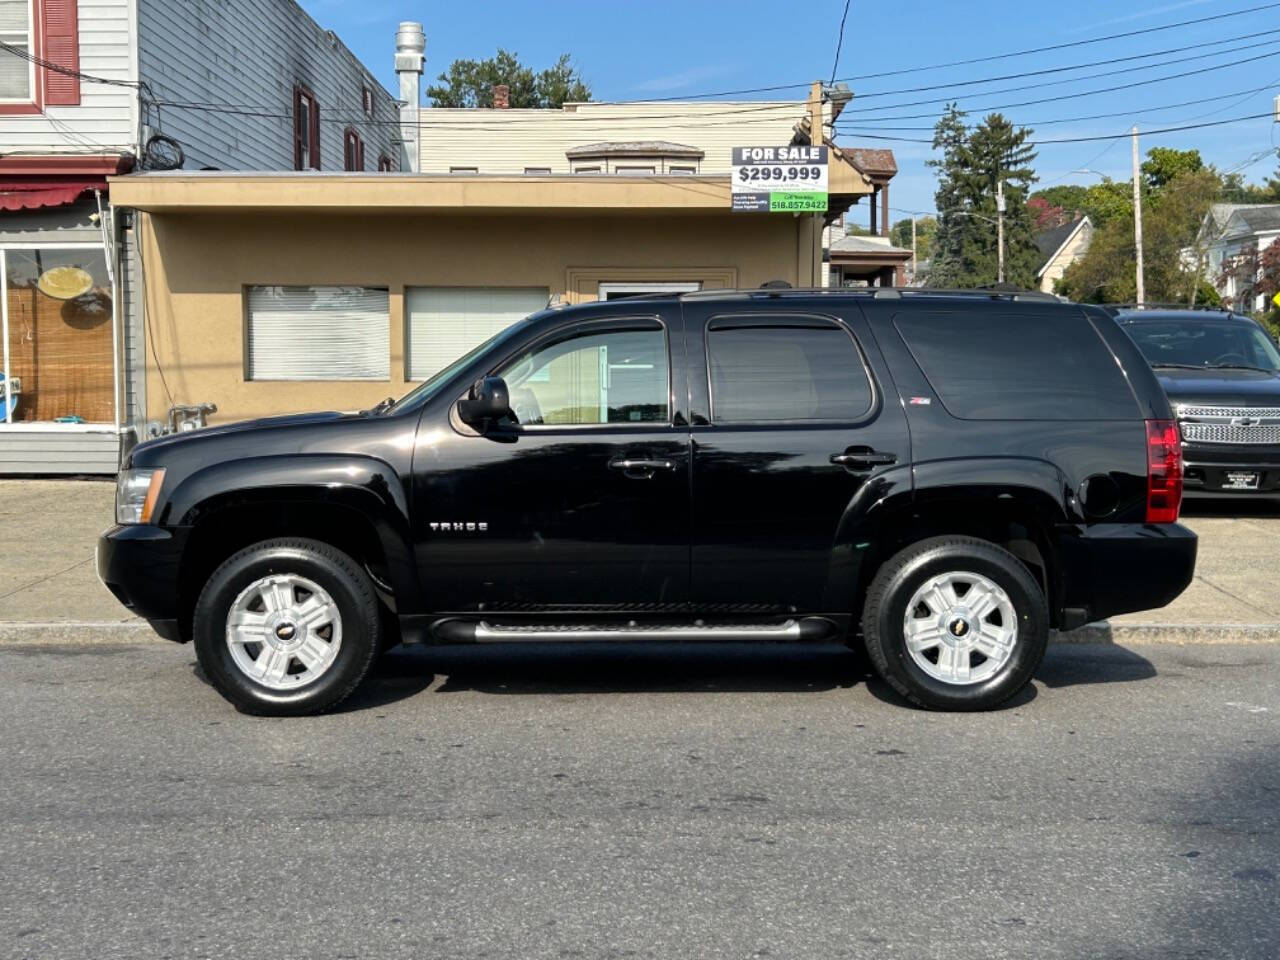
381, 406
1239, 366
1178, 366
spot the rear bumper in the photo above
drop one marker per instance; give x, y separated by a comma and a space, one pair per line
1114, 568
139, 564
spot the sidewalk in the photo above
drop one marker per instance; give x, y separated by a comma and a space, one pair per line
49, 591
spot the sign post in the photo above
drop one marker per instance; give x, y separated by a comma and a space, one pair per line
780, 179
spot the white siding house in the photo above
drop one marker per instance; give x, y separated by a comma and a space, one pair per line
91, 88
1229, 231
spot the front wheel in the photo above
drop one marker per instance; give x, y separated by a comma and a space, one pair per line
287, 627
955, 623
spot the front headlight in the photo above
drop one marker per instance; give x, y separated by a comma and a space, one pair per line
136, 494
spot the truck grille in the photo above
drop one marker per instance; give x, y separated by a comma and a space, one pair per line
1229, 425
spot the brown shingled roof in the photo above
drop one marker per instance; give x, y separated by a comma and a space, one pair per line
872, 162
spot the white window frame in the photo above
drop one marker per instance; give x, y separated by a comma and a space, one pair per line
44, 425
31, 52
639, 288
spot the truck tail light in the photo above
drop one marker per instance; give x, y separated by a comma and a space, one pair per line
1164, 471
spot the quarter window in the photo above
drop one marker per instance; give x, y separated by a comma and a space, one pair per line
593, 378
1028, 366
319, 333
763, 373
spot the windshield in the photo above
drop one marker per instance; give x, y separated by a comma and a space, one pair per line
1205, 343
429, 386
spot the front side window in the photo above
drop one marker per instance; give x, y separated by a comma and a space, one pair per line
801, 373
614, 377
1204, 343
318, 333
61, 345
16, 73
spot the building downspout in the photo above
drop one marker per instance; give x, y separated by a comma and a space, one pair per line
411, 46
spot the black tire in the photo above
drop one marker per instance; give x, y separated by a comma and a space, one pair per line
331, 569
897, 581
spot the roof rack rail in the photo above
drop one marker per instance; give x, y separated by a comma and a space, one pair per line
1165, 306
878, 293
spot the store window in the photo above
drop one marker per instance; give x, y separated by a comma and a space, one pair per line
319, 333
446, 322
59, 335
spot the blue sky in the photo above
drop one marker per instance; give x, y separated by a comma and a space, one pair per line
660, 48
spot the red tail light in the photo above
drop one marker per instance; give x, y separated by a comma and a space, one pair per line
1164, 471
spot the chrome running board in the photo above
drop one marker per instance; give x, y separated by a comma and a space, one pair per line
482, 631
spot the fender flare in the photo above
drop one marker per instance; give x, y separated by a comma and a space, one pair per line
366, 485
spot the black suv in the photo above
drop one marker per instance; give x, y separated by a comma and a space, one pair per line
1221, 371
944, 477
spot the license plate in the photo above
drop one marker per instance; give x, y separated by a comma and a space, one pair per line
1241, 480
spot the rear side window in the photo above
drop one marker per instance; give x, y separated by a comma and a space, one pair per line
1018, 366
768, 373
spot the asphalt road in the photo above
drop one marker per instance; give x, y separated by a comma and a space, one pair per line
630, 802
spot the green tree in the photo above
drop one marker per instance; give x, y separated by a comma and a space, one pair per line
926, 227
971, 165
1171, 218
470, 83
1164, 164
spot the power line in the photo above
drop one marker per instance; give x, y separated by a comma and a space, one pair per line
1064, 46
840, 41
1092, 76
1105, 136
1132, 112
65, 71
1085, 93
1080, 66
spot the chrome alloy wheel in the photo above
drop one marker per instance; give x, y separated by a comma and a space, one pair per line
960, 628
284, 631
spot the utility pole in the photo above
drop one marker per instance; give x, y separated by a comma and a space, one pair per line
1137, 218
999, 226
914, 267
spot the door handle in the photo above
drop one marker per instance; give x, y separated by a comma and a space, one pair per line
863, 459
640, 469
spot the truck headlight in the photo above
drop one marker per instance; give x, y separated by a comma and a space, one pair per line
136, 494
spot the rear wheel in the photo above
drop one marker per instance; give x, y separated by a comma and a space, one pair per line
287, 627
955, 623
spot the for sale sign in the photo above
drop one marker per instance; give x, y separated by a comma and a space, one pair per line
780, 179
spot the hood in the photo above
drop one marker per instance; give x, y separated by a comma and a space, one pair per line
1247, 388
178, 441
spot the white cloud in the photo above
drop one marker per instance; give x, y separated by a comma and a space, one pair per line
1140, 15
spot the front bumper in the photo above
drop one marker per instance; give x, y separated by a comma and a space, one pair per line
139, 564
1206, 470
1114, 568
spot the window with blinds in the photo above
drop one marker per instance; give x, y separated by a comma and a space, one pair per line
446, 322
15, 30
319, 333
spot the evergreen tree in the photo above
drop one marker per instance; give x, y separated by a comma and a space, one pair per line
971, 165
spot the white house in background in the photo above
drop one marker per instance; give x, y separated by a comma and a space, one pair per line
92, 88
1060, 248
1230, 229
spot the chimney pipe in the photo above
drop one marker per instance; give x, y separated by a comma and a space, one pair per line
501, 96
411, 46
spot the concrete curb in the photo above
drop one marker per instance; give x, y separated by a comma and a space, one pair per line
138, 631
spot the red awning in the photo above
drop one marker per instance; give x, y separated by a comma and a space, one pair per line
34, 194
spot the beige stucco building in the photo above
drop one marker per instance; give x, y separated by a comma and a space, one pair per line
424, 267
272, 293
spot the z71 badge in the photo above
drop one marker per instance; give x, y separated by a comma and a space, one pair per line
457, 526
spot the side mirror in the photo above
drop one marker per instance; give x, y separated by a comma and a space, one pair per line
485, 402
